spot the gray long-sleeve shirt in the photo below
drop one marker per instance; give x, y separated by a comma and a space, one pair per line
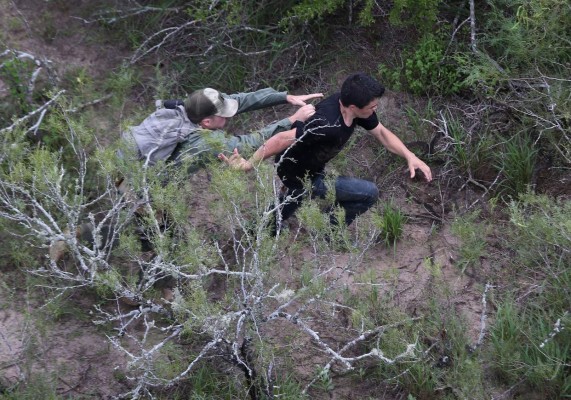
158, 136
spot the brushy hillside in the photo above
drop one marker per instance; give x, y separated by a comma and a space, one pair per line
454, 289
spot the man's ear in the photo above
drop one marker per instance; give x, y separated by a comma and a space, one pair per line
206, 123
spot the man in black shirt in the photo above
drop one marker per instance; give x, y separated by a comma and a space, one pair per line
302, 153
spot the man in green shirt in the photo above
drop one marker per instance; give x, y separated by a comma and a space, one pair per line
194, 127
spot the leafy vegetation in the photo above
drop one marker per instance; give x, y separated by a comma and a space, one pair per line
421, 14
392, 224
517, 163
530, 345
426, 69
473, 237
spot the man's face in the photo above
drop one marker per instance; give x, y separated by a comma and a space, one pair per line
214, 122
368, 110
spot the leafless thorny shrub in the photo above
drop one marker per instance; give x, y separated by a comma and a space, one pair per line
262, 296
471, 138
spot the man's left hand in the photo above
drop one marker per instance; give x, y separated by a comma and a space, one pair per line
414, 163
236, 161
300, 100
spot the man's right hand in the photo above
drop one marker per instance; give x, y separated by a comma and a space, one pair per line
300, 100
303, 113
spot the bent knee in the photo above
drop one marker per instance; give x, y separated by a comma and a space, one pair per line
372, 192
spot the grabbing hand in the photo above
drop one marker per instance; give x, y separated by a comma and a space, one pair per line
303, 113
236, 161
414, 163
300, 100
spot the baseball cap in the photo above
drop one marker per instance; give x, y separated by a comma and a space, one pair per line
206, 102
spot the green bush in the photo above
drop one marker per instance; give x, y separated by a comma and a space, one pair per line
540, 232
16, 74
529, 34
528, 344
393, 221
308, 10
421, 14
38, 386
472, 234
427, 69
471, 154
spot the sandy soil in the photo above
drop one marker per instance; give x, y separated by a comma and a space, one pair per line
75, 351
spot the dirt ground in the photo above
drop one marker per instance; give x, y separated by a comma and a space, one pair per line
94, 367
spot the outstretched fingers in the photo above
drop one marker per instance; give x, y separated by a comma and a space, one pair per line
415, 164
300, 100
236, 161
311, 96
232, 159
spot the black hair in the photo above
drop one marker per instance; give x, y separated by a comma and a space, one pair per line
360, 89
198, 106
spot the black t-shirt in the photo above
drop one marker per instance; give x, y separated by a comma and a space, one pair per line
320, 139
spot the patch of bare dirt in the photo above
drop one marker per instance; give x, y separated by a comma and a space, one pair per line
75, 351
55, 31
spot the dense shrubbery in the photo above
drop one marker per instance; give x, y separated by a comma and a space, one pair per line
426, 70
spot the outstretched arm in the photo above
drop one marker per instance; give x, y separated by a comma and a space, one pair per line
274, 145
268, 97
255, 139
395, 145
255, 100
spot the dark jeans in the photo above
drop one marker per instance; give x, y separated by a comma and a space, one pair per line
355, 195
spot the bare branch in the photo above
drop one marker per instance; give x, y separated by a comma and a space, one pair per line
473, 26
118, 15
33, 113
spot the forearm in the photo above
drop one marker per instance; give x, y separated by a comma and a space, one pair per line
263, 152
396, 146
391, 142
237, 162
251, 141
275, 145
271, 147
259, 99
